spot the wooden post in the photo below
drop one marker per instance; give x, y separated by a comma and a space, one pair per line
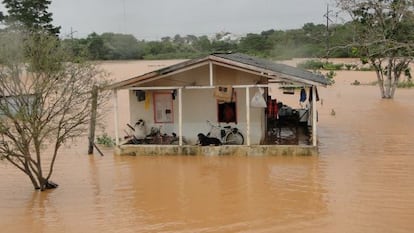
211, 74
314, 117
115, 100
248, 116
180, 116
92, 125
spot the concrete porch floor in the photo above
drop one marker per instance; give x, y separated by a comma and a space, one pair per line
254, 150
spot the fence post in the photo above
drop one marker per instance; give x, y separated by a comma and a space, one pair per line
92, 125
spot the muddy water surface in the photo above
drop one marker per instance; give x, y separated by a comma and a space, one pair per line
362, 181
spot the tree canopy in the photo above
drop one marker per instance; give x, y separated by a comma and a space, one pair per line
33, 15
383, 37
308, 41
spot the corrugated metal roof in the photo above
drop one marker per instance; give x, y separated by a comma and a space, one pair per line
236, 59
275, 67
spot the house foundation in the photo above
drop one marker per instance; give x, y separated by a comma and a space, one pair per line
229, 150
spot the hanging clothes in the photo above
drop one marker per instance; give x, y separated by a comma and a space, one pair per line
258, 101
302, 95
272, 108
147, 100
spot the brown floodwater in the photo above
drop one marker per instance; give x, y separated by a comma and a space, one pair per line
361, 181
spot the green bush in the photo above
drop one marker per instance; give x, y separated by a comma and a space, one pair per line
356, 83
350, 66
332, 66
406, 84
311, 65
320, 65
105, 140
330, 75
370, 68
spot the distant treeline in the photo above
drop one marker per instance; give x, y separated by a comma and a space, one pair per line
309, 41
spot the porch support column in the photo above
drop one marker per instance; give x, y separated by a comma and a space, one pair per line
116, 119
211, 74
248, 116
180, 116
314, 117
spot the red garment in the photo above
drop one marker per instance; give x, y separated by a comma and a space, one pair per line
272, 108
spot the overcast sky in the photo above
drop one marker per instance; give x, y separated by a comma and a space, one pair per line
154, 19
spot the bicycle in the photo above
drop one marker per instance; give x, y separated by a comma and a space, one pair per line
226, 134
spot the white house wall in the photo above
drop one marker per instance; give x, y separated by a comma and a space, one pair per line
138, 109
199, 105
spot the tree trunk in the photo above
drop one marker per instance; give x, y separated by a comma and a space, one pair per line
389, 79
31, 176
39, 182
42, 182
395, 84
93, 119
387, 85
46, 184
380, 78
34, 181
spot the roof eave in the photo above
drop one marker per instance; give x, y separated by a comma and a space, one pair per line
161, 72
268, 72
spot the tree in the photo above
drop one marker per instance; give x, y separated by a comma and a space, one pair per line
33, 14
203, 44
120, 46
96, 46
383, 38
45, 101
255, 44
79, 47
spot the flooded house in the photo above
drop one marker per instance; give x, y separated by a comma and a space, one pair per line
220, 104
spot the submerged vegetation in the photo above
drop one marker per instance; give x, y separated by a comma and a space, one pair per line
105, 140
406, 84
325, 65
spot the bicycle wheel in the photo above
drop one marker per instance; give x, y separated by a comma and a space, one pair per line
234, 138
